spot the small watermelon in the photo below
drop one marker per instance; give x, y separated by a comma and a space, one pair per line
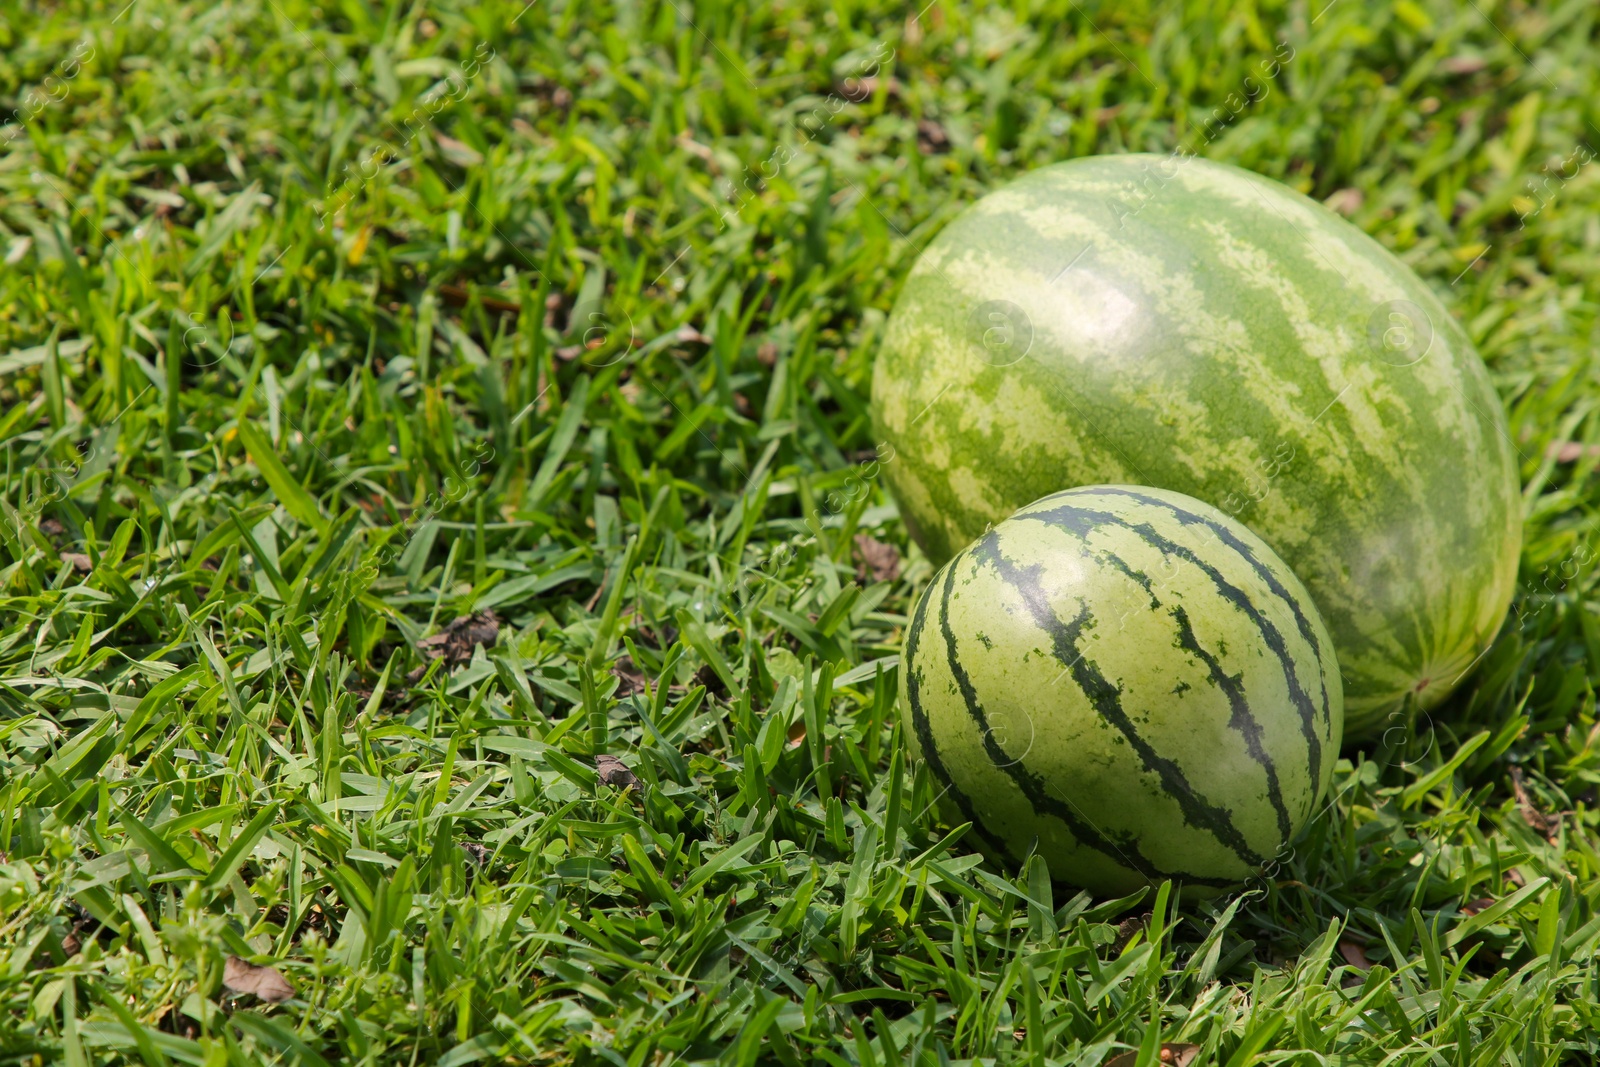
1172, 322
1131, 683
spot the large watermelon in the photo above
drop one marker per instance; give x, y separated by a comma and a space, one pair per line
1183, 324
1129, 681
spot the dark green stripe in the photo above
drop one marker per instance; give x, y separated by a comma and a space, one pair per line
1245, 552
1240, 718
1227, 536
1106, 698
924, 729
1082, 520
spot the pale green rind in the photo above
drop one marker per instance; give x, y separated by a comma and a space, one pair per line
1196, 327
1104, 562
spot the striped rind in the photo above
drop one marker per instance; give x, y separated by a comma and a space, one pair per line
1128, 682
1193, 326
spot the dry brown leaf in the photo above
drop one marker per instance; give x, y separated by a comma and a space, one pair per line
1172, 1054
1354, 955
911, 35
1128, 928
615, 773
552, 304
858, 89
1548, 826
629, 678
1463, 64
458, 152
1472, 907
931, 138
456, 641
693, 147
1570, 451
80, 561
797, 734
461, 296
1346, 201
881, 560
241, 976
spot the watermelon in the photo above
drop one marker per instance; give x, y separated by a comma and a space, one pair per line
1128, 682
1172, 322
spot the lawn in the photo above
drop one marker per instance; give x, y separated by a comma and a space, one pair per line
449, 602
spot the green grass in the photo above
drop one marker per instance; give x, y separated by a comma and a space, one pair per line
307, 350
